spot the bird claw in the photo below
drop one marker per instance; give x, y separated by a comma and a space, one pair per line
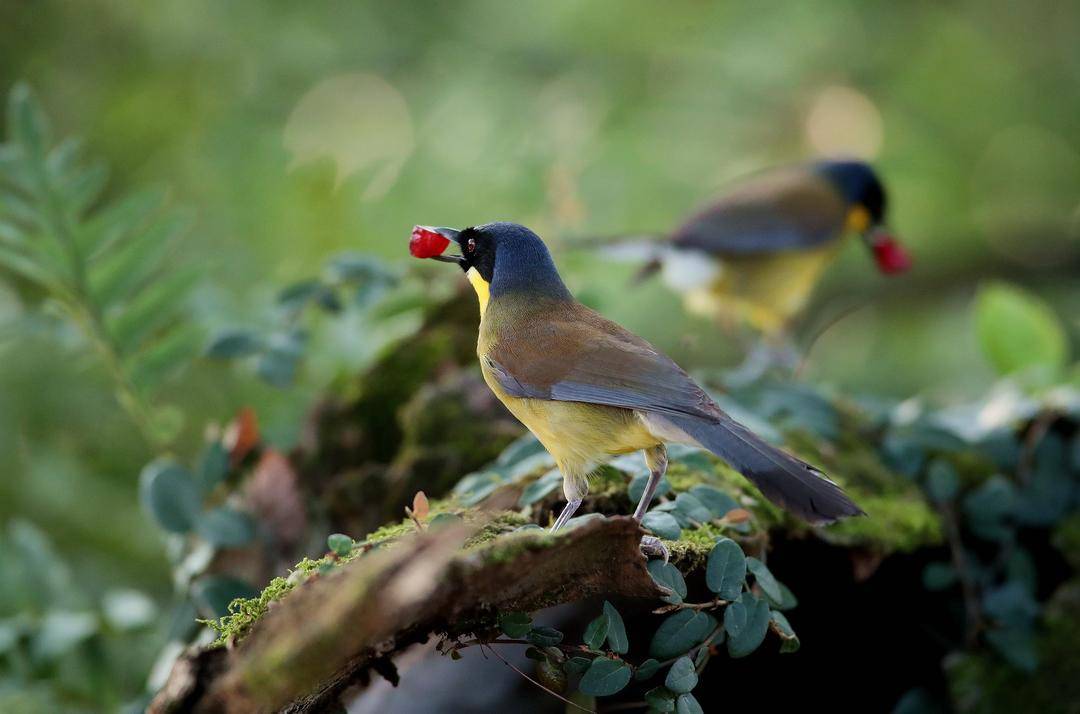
652, 547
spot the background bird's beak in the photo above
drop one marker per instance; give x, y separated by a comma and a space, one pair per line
890, 256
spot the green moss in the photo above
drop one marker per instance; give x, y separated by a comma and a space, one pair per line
501, 524
693, 546
509, 546
243, 613
892, 524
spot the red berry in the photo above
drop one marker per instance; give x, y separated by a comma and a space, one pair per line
890, 256
426, 243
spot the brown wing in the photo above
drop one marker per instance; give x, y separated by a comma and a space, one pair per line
575, 355
782, 210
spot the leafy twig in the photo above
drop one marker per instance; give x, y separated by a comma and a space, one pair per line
549, 691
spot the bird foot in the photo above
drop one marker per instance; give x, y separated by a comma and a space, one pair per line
652, 547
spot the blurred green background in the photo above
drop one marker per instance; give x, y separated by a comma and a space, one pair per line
295, 131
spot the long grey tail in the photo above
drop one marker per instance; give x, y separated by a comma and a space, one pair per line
785, 480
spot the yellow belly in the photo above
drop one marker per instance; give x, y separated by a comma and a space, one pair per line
579, 436
766, 292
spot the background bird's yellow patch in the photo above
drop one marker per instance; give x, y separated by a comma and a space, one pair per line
858, 220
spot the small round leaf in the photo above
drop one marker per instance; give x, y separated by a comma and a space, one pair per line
605, 677
682, 677
725, 570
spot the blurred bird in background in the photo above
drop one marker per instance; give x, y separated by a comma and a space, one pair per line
754, 256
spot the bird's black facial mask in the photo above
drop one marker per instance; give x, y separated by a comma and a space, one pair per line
477, 252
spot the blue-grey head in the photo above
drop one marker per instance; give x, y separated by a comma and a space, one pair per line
507, 257
859, 186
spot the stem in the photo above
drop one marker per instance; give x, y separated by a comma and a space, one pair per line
549, 691
82, 308
967, 586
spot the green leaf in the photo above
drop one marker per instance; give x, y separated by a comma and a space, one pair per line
1016, 646
687, 704
225, 527
475, 487
61, 631
691, 509
445, 519
668, 576
26, 121
1011, 604
1018, 331
169, 493
942, 481
663, 525
939, 576
596, 632
616, 634
646, 669
576, 665
725, 570
682, 677
540, 488
544, 636
605, 677
162, 303
718, 502
551, 675
213, 593
296, 296
166, 421
358, 267
636, 489
120, 221
340, 544
233, 344
518, 450
681, 631
81, 190
163, 357
278, 367
765, 579
515, 625
746, 621
660, 699
787, 602
213, 466
780, 624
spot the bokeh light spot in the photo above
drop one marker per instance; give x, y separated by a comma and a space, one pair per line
843, 121
358, 121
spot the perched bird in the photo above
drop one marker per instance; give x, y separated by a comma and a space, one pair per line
590, 390
755, 255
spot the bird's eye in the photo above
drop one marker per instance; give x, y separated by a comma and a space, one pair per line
471, 245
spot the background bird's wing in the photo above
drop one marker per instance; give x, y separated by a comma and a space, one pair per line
785, 210
575, 355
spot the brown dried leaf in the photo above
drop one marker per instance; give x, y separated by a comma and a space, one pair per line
241, 435
420, 506
737, 515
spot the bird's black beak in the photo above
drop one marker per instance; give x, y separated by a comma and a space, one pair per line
448, 233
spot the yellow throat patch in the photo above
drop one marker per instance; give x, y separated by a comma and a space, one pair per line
481, 286
858, 220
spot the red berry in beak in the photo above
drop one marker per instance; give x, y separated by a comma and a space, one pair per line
426, 243
890, 256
